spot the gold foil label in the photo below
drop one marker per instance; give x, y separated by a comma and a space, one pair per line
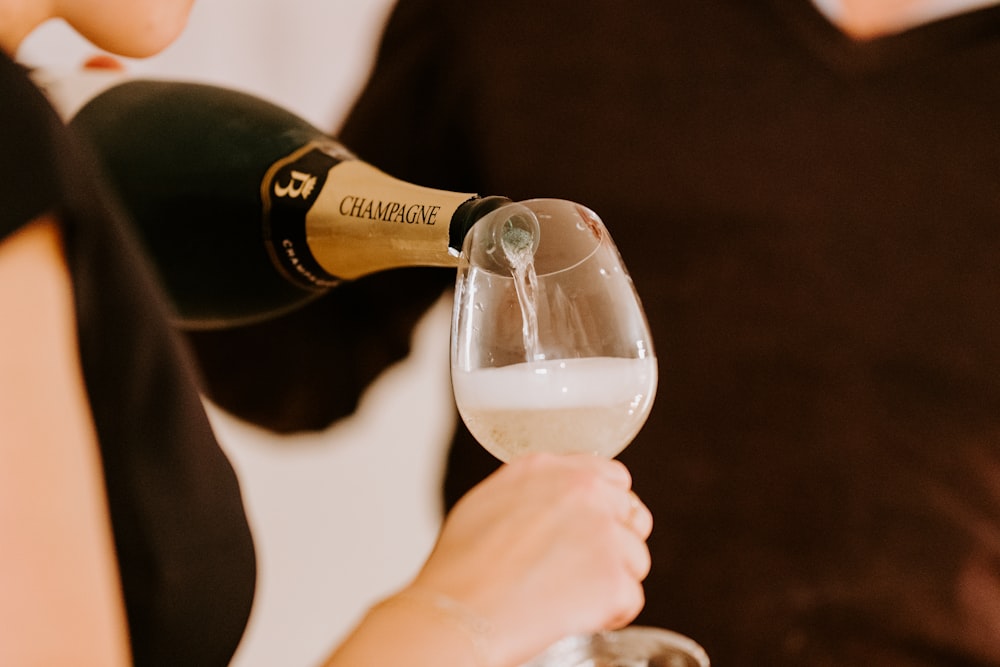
364, 221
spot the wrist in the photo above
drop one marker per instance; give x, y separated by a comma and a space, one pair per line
440, 613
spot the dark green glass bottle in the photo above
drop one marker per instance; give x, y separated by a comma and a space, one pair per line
249, 211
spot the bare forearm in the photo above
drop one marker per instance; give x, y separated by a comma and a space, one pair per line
416, 628
61, 602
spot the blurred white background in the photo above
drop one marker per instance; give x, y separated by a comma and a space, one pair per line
344, 516
310, 55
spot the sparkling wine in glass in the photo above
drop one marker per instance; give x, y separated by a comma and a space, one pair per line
551, 350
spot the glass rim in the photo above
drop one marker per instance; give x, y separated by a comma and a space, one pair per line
584, 213
578, 650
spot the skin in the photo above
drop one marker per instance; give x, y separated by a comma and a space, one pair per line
869, 19
138, 29
57, 567
546, 547
538, 551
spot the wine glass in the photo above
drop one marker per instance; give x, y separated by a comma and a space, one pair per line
551, 351
550, 347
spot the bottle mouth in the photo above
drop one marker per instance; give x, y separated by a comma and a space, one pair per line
516, 240
512, 234
466, 218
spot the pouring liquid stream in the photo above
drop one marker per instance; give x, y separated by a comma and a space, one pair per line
519, 252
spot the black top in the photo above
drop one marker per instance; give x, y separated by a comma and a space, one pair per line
814, 227
184, 548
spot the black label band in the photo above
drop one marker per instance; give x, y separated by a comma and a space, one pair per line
288, 191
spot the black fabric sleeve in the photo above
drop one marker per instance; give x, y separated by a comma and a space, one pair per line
184, 550
26, 179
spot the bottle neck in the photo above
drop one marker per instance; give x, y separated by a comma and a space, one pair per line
468, 214
329, 217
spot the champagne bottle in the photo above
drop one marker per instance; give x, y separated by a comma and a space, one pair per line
249, 211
